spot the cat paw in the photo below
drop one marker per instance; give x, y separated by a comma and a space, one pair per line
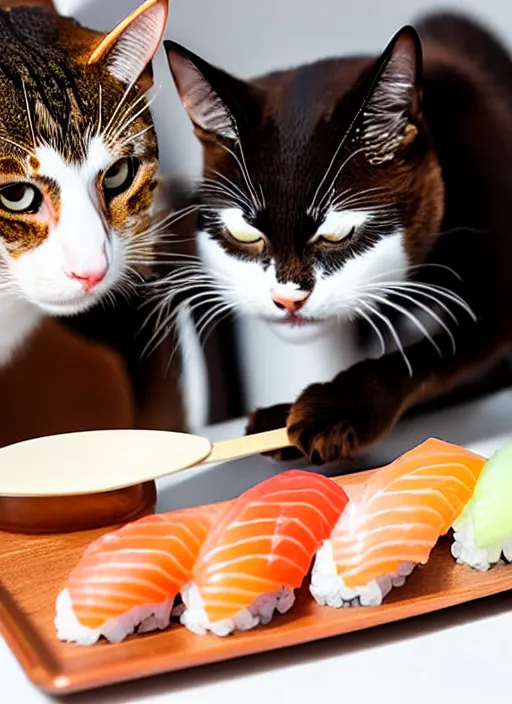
272, 418
336, 421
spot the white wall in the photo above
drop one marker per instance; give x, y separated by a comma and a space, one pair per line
248, 37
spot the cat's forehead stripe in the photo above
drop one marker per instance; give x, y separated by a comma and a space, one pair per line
11, 167
54, 165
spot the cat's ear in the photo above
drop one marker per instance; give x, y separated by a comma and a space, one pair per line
393, 102
128, 50
210, 96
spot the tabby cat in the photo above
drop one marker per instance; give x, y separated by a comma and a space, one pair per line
78, 162
364, 188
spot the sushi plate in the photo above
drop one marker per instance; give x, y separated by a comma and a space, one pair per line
33, 569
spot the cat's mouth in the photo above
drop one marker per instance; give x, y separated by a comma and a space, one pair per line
297, 328
296, 321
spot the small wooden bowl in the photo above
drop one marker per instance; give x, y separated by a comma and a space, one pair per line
66, 514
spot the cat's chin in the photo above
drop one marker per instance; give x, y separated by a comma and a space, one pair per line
67, 308
300, 332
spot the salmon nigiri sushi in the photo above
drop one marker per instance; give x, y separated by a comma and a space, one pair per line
392, 522
260, 551
129, 578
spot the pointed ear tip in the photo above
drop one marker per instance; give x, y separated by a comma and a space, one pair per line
165, 6
409, 34
147, 4
171, 46
174, 52
111, 37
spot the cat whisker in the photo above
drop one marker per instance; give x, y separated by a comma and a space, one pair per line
221, 193
140, 280
313, 207
413, 318
463, 228
118, 107
245, 174
135, 136
212, 323
100, 111
415, 267
220, 316
185, 285
126, 288
169, 320
375, 328
345, 195
17, 145
338, 173
207, 318
29, 116
164, 237
179, 257
358, 198
229, 182
396, 291
261, 201
262, 197
393, 332
432, 288
168, 220
226, 186
124, 125
181, 272
178, 286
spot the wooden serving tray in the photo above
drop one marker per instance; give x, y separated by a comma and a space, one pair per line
33, 569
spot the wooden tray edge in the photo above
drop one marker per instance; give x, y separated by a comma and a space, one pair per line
55, 682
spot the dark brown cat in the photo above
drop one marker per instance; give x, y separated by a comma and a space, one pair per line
370, 189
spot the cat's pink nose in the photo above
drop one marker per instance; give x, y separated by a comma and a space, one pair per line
89, 279
292, 301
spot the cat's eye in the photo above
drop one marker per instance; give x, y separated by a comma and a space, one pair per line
248, 236
120, 176
20, 198
339, 226
335, 237
239, 229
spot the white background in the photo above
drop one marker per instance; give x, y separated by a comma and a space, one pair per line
249, 37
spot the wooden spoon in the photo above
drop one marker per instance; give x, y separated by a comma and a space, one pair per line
104, 460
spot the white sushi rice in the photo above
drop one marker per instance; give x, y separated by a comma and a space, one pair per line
150, 617
466, 552
260, 612
328, 588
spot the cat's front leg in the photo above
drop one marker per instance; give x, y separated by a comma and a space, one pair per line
333, 420
339, 419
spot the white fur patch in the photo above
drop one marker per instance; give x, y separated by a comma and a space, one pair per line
340, 223
341, 292
335, 296
78, 242
18, 319
80, 227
